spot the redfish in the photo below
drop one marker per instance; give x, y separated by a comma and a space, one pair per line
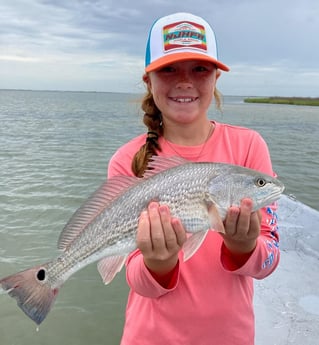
104, 228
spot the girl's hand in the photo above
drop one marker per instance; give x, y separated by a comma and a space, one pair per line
242, 228
160, 238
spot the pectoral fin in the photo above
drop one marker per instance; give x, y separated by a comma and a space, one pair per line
109, 267
215, 219
193, 243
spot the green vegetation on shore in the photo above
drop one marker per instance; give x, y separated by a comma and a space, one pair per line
285, 100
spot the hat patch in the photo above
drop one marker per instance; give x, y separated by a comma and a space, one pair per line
183, 35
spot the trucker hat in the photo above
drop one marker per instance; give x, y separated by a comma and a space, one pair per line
180, 36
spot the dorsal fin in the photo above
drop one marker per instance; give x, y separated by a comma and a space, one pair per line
95, 204
158, 164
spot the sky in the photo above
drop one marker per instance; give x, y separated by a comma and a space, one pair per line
271, 46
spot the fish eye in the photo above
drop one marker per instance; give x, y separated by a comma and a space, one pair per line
260, 182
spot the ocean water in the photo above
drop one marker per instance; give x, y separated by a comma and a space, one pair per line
54, 151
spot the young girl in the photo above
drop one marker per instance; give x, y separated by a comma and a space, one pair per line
209, 298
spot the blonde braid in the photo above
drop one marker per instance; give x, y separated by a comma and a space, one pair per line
153, 121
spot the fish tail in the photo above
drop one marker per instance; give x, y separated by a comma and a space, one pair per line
32, 290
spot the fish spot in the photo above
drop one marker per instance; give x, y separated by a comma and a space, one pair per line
41, 274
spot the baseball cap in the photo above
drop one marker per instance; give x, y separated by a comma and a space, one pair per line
178, 37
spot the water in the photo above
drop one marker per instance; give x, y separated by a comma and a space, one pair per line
55, 147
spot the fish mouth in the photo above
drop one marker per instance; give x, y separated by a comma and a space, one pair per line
274, 196
183, 99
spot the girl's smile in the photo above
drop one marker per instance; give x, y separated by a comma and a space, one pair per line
183, 100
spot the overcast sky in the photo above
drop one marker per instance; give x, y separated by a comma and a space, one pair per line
271, 46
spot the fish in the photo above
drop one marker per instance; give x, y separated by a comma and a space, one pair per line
104, 228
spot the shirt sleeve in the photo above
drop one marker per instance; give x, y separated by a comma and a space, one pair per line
119, 165
265, 257
121, 162
143, 282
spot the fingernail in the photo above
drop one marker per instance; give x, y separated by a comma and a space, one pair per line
247, 204
153, 205
163, 209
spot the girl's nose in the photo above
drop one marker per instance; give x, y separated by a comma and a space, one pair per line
184, 81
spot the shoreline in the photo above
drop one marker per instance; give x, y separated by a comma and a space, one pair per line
310, 101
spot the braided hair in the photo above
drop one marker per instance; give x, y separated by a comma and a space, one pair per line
153, 121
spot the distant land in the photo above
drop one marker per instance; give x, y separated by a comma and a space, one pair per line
311, 101
285, 100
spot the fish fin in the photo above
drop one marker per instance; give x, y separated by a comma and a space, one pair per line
158, 164
193, 243
215, 219
109, 267
32, 291
95, 204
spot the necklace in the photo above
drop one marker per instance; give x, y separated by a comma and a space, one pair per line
210, 132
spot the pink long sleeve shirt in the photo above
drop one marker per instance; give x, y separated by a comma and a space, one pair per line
209, 299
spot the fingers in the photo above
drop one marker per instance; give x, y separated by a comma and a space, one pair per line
241, 220
158, 231
231, 220
242, 227
180, 232
143, 237
170, 239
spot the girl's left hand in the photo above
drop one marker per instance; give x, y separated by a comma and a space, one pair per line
242, 228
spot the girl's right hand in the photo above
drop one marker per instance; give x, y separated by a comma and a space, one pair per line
160, 237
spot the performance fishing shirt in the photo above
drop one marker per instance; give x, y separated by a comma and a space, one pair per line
209, 298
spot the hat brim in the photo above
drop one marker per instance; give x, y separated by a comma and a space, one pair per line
176, 57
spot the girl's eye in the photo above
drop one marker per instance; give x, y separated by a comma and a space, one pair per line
200, 69
167, 69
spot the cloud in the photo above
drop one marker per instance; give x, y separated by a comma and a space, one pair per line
271, 80
70, 44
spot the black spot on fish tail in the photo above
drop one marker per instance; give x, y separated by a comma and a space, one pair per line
41, 275
32, 291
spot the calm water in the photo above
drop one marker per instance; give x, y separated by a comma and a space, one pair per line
55, 147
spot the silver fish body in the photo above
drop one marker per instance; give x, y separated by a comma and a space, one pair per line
104, 228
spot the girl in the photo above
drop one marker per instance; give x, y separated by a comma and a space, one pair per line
209, 298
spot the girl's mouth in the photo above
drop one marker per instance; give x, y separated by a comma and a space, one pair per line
184, 99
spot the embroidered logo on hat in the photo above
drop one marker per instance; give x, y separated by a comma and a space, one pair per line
184, 34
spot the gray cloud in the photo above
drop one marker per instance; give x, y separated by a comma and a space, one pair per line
105, 40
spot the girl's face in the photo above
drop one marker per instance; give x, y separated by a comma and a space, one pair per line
183, 91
